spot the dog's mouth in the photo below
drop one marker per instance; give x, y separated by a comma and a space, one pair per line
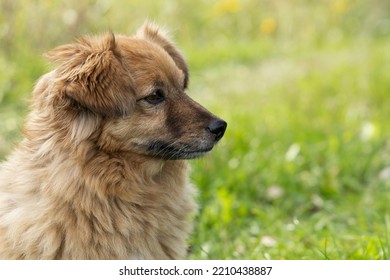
174, 151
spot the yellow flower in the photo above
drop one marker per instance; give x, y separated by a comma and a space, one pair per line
227, 6
339, 6
268, 25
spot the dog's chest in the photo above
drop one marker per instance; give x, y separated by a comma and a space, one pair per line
155, 229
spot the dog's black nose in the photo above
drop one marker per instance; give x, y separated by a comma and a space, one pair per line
217, 127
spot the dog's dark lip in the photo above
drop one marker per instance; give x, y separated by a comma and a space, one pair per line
171, 152
195, 154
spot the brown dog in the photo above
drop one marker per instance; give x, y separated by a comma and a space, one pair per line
100, 173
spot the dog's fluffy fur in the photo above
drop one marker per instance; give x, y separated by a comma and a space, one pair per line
100, 173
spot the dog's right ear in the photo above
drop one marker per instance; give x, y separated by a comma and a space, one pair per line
159, 36
91, 73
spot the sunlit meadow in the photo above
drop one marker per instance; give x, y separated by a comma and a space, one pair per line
303, 171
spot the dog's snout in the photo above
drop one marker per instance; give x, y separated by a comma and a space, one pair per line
217, 127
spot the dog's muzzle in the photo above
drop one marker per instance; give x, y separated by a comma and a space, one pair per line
195, 148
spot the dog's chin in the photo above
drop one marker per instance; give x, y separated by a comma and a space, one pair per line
167, 151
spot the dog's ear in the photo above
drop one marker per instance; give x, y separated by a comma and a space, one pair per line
157, 35
91, 73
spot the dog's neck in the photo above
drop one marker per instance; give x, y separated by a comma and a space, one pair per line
114, 168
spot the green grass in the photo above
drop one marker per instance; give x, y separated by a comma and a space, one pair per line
303, 170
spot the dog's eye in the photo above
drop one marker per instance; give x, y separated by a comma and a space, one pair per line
155, 97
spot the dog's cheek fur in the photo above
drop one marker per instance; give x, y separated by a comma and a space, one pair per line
134, 132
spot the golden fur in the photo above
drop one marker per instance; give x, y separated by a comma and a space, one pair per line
101, 171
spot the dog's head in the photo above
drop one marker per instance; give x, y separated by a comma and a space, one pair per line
136, 87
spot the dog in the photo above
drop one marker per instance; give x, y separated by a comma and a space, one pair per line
101, 172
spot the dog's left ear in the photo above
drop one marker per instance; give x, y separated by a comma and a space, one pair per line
91, 73
157, 35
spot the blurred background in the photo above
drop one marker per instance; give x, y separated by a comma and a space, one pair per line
303, 171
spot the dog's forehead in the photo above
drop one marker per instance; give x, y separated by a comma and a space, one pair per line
149, 62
